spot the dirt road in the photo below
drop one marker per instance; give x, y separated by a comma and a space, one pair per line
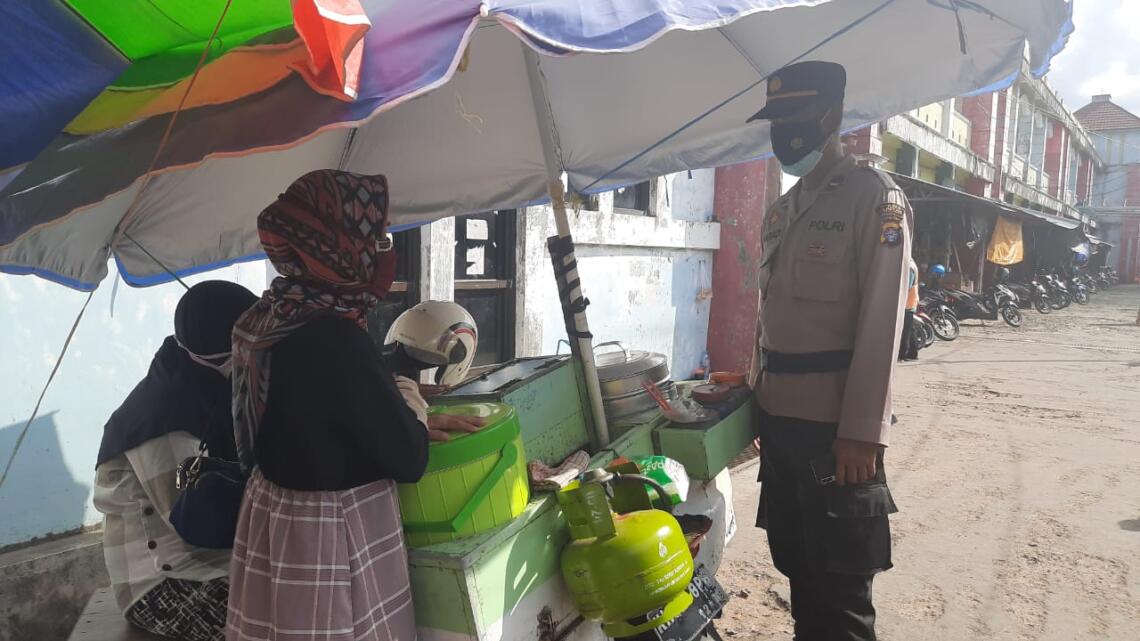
1016, 466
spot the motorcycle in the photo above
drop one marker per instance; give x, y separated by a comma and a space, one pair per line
923, 330
1059, 295
943, 323
1107, 276
996, 302
1080, 293
1033, 294
1024, 295
1088, 281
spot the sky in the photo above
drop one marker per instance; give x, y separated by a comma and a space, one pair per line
1102, 55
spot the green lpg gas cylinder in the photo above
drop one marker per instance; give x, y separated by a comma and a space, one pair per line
629, 571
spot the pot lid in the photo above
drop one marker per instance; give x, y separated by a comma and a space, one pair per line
624, 362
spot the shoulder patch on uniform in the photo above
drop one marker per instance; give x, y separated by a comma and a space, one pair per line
890, 234
891, 212
891, 216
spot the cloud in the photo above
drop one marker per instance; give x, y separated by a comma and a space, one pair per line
1102, 55
1120, 81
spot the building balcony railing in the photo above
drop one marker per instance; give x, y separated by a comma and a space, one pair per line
1037, 195
960, 129
913, 131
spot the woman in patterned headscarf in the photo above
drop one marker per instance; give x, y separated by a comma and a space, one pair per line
324, 427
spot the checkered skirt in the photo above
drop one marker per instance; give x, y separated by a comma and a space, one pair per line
319, 565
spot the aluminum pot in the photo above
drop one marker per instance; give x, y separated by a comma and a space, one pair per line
636, 402
623, 371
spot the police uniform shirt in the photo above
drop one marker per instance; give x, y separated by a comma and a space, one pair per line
833, 277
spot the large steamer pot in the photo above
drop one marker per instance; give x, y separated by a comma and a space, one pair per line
637, 401
622, 374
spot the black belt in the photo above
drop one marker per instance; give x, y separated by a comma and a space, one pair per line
810, 363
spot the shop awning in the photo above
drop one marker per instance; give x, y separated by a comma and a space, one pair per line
919, 191
1029, 214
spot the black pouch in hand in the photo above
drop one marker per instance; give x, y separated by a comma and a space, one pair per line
206, 512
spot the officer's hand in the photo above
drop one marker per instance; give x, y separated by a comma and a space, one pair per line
854, 461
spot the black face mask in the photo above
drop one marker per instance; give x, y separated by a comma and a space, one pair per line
794, 141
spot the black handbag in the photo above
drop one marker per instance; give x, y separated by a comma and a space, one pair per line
206, 512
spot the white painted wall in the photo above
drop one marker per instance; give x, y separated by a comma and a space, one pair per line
649, 279
49, 487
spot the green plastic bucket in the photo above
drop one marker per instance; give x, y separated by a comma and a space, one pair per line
473, 483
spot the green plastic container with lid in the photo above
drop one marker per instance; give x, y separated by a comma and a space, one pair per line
474, 482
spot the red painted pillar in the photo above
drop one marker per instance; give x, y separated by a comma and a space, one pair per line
976, 186
1128, 262
1053, 146
858, 141
1132, 186
741, 197
977, 110
997, 187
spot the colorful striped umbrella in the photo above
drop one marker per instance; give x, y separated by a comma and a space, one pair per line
86, 66
507, 94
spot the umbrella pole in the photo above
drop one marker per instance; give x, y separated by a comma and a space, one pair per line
561, 249
562, 254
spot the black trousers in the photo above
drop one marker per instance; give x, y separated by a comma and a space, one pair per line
829, 541
907, 350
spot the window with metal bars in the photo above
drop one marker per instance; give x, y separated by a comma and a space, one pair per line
485, 268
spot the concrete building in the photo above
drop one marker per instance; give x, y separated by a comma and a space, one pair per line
1019, 145
1115, 199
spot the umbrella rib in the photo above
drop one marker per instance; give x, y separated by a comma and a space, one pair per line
740, 50
156, 260
120, 229
550, 111
842, 31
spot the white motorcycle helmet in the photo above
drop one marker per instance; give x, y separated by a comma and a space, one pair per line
436, 333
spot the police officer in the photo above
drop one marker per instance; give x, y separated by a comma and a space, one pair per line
833, 284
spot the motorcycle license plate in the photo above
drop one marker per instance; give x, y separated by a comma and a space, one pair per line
709, 599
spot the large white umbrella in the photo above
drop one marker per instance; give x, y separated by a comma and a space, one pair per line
519, 94
501, 77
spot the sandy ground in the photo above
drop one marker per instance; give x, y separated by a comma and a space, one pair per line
1016, 467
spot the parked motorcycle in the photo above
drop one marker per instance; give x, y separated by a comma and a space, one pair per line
1107, 276
1023, 293
925, 328
1058, 291
1078, 290
996, 302
941, 318
918, 334
1088, 281
1033, 294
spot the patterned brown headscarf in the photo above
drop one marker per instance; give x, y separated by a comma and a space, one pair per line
323, 235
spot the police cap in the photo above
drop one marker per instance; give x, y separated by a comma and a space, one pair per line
802, 85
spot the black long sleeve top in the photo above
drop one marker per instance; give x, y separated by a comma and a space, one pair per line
334, 418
